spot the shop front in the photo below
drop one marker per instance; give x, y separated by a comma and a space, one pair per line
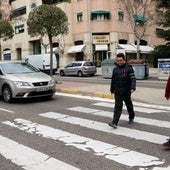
100, 48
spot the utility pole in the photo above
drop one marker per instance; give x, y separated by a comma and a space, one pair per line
89, 31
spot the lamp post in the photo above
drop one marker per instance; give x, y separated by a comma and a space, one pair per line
89, 31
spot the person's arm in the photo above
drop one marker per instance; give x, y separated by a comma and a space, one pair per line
132, 79
112, 89
167, 89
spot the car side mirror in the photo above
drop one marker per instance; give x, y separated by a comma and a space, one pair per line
1, 72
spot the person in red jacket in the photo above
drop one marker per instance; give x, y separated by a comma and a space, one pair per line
167, 96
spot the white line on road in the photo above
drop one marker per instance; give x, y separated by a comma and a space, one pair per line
112, 152
136, 108
28, 158
5, 110
132, 133
142, 120
112, 101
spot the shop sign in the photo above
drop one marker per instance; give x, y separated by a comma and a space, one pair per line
163, 68
101, 39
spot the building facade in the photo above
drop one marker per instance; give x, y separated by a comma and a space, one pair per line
97, 30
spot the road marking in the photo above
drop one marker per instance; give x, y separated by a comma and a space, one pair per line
154, 106
161, 168
136, 108
132, 133
28, 158
111, 152
5, 110
142, 120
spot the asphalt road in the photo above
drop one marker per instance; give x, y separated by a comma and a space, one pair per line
98, 79
73, 130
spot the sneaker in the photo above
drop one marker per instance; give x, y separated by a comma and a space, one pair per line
167, 144
131, 121
113, 125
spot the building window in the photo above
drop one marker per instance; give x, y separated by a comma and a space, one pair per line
120, 15
54, 1
19, 29
19, 11
138, 1
79, 17
140, 18
33, 5
10, 1
100, 15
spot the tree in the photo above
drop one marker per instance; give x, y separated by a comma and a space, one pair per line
47, 20
163, 50
6, 32
140, 15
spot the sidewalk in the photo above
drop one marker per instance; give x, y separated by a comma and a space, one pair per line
142, 94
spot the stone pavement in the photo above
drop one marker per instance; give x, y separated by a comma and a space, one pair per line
142, 94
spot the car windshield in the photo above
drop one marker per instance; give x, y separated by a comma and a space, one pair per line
18, 68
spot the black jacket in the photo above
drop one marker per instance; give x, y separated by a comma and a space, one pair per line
123, 79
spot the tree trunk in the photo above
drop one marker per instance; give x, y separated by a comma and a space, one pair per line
138, 49
51, 55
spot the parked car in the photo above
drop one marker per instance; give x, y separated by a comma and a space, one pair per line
79, 68
21, 80
42, 62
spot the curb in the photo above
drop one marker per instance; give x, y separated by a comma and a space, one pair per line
94, 94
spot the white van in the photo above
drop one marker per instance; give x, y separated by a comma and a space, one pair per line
42, 62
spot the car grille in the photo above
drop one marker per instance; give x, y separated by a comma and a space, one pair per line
40, 83
49, 92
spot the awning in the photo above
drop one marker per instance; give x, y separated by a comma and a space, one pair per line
144, 49
128, 48
140, 18
100, 12
55, 50
76, 49
101, 47
132, 48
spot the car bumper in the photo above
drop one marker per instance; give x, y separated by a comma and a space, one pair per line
34, 92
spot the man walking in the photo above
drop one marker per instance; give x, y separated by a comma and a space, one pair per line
123, 84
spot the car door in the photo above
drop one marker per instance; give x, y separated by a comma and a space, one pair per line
75, 68
68, 69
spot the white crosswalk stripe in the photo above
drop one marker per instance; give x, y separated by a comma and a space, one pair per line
150, 137
28, 158
32, 159
136, 108
112, 152
103, 113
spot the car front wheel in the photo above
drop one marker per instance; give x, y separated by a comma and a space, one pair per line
7, 94
80, 74
62, 73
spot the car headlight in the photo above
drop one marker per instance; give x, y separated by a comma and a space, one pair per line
21, 83
51, 82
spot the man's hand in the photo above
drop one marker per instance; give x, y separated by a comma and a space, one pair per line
132, 90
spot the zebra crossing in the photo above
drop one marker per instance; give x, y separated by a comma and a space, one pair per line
35, 160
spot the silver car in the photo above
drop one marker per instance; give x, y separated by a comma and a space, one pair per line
79, 68
21, 80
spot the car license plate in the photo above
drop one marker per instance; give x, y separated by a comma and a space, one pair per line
42, 89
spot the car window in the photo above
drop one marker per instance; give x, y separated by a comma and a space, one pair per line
76, 64
18, 68
70, 65
88, 64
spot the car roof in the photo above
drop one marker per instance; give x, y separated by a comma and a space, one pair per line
11, 61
